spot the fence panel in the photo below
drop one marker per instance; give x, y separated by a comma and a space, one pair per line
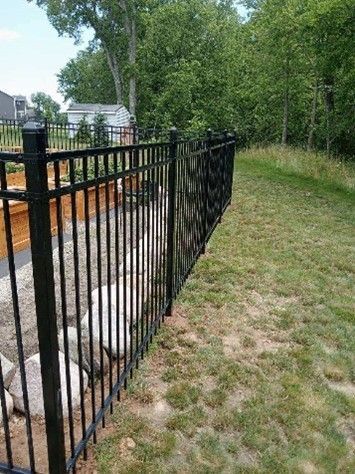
10, 135
20, 435
121, 229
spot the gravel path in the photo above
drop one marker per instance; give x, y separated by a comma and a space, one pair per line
8, 345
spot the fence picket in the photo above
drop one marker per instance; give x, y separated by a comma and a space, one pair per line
140, 216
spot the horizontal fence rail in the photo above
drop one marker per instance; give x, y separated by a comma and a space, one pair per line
73, 136
96, 244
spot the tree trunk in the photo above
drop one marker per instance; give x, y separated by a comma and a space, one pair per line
116, 74
132, 63
312, 125
129, 12
329, 108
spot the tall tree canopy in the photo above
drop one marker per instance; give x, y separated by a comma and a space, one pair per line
114, 24
286, 75
45, 107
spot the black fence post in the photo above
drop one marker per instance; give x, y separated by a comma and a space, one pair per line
171, 220
34, 146
46, 131
206, 188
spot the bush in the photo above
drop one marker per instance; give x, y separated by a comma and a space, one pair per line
83, 134
101, 136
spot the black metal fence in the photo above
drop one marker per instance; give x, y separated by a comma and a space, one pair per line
70, 136
114, 233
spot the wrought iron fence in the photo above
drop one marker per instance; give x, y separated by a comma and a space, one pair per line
114, 233
73, 136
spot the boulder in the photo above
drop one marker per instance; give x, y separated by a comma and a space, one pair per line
9, 406
8, 370
34, 385
149, 249
85, 351
117, 330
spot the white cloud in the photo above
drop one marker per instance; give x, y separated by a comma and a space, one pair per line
8, 35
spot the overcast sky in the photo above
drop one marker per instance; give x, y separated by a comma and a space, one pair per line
31, 52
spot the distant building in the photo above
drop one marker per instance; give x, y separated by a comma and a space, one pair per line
116, 115
13, 107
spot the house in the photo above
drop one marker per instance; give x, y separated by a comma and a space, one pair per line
116, 115
13, 107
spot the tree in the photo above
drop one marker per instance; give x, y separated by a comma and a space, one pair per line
83, 134
328, 33
284, 76
285, 93
114, 25
45, 107
87, 78
101, 135
185, 66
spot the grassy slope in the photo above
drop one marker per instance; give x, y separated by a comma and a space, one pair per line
255, 372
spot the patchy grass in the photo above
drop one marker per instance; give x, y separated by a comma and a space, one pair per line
255, 371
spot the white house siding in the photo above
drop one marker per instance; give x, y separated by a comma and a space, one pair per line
121, 118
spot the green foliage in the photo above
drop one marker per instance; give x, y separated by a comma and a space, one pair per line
287, 74
87, 78
336, 173
46, 108
100, 136
14, 168
92, 172
83, 135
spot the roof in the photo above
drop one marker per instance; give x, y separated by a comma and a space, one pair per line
96, 108
16, 97
8, 95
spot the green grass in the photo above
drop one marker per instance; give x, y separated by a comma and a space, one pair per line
255, 371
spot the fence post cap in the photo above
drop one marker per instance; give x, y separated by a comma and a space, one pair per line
33, 127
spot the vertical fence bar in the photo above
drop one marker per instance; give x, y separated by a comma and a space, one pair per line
171, 220
231, 169
34, 145
206, 188
135, 140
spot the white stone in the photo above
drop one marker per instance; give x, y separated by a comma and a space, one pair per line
85, 351
148, 250
101, 323
9, 406
34, 386
8, 370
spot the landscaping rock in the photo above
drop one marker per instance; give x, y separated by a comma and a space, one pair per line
85, 349
147, 248
34, 386
9, 406
105, 319
8, 370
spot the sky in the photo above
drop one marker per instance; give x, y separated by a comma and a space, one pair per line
31, 52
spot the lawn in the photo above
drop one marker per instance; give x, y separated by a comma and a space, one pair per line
255, 370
